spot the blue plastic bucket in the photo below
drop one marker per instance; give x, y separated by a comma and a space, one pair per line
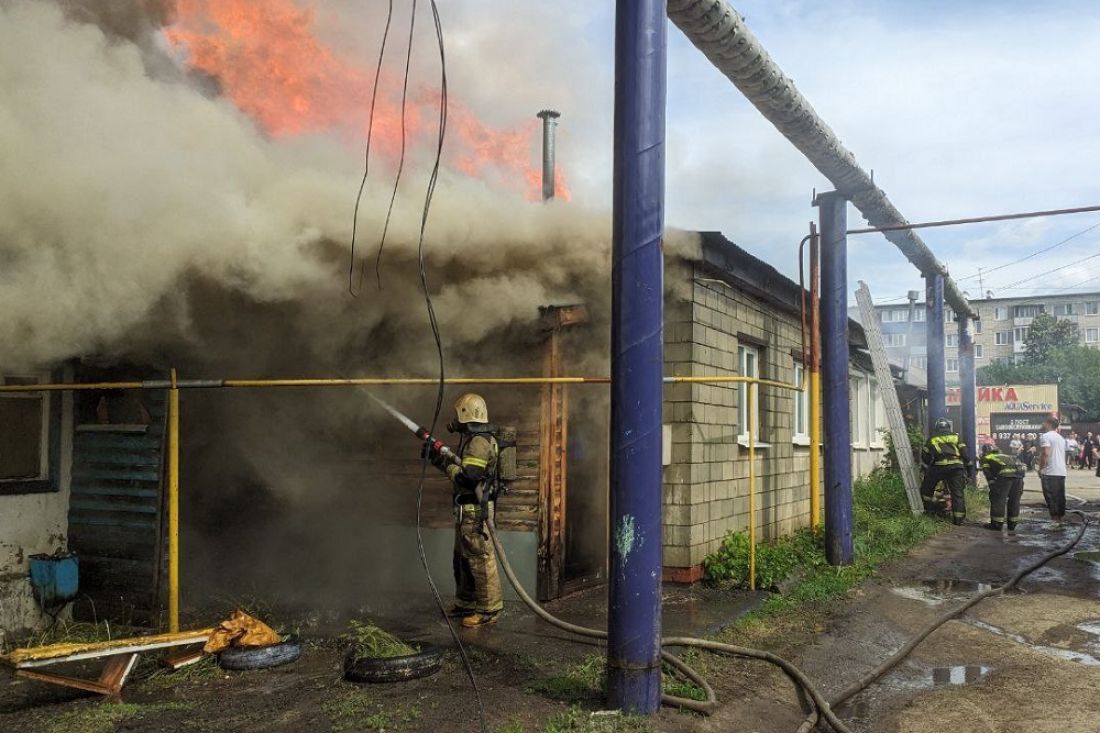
54, 578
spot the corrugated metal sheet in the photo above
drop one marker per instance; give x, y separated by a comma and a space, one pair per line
116, 516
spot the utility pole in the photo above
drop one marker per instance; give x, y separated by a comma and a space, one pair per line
833, 211
637, 357
937, 386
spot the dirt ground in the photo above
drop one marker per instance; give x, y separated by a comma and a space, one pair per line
1027, 661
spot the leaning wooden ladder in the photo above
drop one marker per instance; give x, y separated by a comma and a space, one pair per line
121, 656
898, 432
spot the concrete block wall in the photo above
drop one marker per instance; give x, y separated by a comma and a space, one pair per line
32, 524
706, 484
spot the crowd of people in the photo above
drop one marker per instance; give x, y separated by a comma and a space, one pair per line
1082, 451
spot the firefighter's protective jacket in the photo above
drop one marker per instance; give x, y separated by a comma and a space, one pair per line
995, 466
945, 451
478, 452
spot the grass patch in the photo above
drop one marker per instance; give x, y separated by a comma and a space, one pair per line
587, 680
884, 529
97, 717
576, 720
355, 709
369, 641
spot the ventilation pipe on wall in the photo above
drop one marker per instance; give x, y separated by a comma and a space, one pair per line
549, 119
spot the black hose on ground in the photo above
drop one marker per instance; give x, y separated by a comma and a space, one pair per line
891, 662
704, 707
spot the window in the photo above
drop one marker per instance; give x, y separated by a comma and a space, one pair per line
893, 339
1092, 335
857, 411
875, 414
801, 427
952, 340
1000, 313
1002, 338
24, 438
952, 365
948, 315
1026, 311
918, 362
1019, 335
918, 315
977, 326
748, 358
979, 351
1092, 308
1065, 309
894, 315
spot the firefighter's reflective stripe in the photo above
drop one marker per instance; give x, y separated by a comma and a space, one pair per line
475, 461
946, 450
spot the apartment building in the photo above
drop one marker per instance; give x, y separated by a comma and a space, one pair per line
999, 335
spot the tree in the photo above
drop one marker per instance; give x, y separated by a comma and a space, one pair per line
1048, 334
1075, 369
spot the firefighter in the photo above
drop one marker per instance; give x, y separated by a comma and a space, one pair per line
945, 459
478, 598
1006, 485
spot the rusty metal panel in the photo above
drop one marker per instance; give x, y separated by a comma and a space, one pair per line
115, 516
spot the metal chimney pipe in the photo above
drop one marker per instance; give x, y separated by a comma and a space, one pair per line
549, 119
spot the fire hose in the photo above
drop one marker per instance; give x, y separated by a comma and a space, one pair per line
871, 677
707, 707
823, 708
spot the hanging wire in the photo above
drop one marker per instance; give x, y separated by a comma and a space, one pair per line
366, 155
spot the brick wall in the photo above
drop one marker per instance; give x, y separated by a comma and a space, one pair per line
706, 484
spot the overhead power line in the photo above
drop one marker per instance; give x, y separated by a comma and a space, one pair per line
973, 220
1046, 272
1067, 240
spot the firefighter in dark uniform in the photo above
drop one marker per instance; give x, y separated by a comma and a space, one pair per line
478, 597
1006, 485
945, 459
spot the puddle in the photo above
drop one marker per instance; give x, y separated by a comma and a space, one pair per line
1091, 556
961, 674
863, 707
1067, 654
935, 592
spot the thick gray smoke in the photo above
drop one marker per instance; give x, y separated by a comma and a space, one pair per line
143, 220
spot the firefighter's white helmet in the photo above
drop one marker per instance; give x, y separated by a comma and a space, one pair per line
471, 408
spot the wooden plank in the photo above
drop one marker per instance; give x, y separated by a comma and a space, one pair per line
39, 656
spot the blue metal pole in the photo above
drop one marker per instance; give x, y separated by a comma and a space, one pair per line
637, 315
833, 210
967, 402
937, 389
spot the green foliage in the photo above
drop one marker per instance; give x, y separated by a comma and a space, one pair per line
1048, 334
576, 720
884, 528
356, 709
97, 717
370, 642
916, 440
775, 561
1073, 368
585, 680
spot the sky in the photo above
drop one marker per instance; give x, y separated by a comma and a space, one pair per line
961, 109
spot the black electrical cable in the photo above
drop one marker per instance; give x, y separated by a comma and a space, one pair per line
1010, 286
434, 323
366, 155
1025, 258
401, 157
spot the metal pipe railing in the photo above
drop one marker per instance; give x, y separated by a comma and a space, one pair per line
174, 385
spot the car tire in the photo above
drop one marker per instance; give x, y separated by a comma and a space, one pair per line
262, 657
427, 661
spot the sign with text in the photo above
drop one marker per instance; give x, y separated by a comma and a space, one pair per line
1011, 398
1006, 427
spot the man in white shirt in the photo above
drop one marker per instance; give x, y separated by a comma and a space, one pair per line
1052, 469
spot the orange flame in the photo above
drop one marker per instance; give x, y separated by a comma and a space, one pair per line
268, 60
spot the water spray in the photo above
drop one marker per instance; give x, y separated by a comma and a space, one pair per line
434, 444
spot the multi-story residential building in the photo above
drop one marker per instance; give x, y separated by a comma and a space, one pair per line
999, 335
